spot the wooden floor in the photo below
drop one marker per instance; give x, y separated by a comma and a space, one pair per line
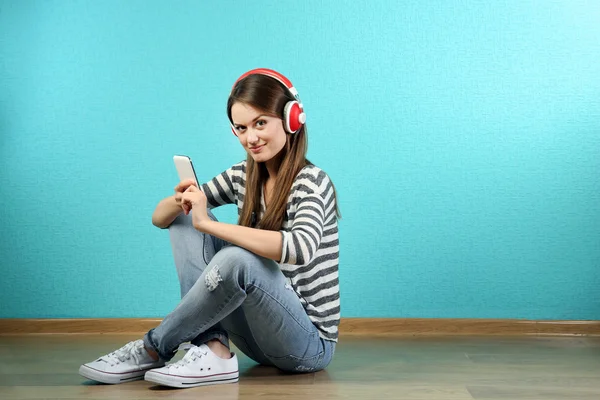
453, 368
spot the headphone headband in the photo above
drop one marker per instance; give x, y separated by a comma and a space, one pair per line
273, 74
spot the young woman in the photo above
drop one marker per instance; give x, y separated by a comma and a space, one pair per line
270, 283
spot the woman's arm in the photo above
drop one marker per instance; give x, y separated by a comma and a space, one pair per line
259, 241
262, 242
166, 211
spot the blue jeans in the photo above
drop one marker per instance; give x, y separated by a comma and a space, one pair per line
228, 292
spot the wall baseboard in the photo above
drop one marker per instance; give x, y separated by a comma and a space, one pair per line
348, 326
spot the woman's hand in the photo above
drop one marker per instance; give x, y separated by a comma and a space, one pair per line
194, 199
179, 189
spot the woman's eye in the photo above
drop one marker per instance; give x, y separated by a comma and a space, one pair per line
261, 122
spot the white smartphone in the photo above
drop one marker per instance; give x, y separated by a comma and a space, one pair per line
185, 168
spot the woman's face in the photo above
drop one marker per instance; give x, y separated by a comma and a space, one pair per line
262, 136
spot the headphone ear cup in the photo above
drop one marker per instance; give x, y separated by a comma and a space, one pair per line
293, 117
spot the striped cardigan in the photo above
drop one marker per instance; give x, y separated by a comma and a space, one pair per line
310, 251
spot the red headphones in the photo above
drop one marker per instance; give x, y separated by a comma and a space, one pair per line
293, 113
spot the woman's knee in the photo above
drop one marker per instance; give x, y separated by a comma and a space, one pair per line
231, 263
235, 256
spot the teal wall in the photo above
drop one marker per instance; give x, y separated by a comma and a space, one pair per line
463, 138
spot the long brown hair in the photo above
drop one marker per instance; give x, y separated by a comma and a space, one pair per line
269, 96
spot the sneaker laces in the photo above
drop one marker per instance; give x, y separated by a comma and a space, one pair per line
192, 354
124, 353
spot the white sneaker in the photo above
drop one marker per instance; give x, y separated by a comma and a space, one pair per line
128, 363
199, 367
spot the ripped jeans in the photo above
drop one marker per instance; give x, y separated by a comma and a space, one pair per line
228, 292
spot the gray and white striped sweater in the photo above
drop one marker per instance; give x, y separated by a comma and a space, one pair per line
310, 251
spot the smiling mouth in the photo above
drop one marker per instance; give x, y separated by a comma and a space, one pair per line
256, 149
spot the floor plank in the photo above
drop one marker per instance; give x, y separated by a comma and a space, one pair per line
453, 368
